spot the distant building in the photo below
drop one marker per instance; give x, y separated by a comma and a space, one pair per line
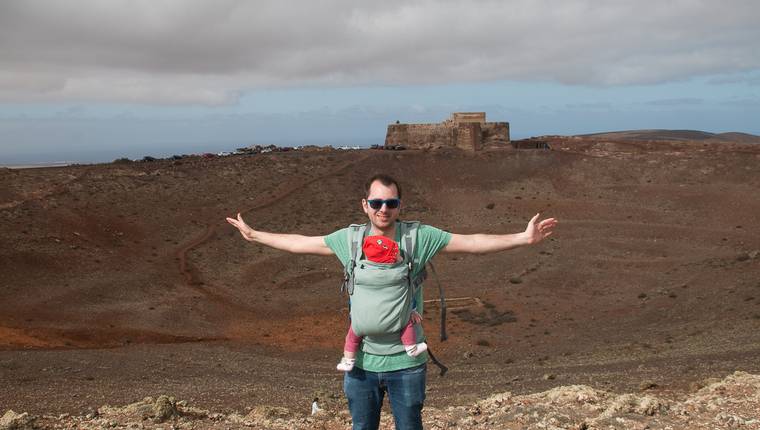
466, 130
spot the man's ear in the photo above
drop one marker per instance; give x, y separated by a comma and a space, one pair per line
364, 206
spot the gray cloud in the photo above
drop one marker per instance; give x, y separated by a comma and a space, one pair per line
685, 101
193, 51
744, 103
745, 79
589, 106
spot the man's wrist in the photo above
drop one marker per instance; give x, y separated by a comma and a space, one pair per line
253, 235
523, 239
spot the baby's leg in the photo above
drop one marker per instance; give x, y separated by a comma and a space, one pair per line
409, 339
408, 336
352, 343
349, 351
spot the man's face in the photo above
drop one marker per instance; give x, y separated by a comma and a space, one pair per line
384, 217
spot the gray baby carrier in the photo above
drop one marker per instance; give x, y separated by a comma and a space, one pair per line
382, 296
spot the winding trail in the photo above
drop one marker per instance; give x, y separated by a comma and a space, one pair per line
189, 273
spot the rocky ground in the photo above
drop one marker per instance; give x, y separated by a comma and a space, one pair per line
730, 403
123, 281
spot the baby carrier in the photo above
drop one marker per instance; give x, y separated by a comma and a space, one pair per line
382, 296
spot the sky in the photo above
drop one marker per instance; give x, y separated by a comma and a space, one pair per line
93, 80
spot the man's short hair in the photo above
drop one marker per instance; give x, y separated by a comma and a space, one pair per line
384, 179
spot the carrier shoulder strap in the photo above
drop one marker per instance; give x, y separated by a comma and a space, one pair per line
409, 236
356, 234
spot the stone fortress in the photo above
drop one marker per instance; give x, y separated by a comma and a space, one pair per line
465, 130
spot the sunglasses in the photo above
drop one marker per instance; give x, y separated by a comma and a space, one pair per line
378, 203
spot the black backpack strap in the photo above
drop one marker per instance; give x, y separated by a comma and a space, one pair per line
443, 369
443, 302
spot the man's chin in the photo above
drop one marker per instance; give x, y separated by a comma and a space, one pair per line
383, 223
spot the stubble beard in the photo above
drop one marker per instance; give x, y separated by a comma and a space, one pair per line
383, 223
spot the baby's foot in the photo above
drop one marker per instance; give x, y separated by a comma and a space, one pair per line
346, 364
415, 350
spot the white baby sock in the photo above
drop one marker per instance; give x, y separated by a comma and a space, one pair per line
415, 350
346, 364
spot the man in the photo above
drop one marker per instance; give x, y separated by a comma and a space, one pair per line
402, 376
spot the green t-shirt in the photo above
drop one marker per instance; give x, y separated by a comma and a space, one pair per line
430, 240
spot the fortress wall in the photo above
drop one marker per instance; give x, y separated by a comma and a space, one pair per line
469, 135
495, 133
419, 136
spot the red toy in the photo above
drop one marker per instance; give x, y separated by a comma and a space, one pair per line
380, 249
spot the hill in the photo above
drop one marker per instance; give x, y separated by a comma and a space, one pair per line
676, 135
121, 281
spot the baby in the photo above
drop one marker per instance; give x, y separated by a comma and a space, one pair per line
380, 249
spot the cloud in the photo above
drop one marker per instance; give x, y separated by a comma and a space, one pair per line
684, 101
589, 106
193, 51
743, 79
743, 103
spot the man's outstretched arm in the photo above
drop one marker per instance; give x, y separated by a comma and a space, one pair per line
295, 243
485, 243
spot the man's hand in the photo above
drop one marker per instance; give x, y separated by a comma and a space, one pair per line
486, 243
295, 243
245, 230
536, 232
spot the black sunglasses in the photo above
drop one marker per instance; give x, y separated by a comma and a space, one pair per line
378, 203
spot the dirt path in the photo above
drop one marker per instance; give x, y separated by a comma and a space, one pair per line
190, 273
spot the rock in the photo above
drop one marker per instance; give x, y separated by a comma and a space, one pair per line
165, 408
549, 377
744, 256
140, 410
629, 403
268, 412
92, 413
573, 395
650, 406
13, 421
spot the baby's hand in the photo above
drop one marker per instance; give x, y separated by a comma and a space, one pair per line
415, 318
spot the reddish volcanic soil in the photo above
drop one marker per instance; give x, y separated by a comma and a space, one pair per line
122, 281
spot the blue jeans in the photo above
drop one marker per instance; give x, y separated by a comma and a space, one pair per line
406, 391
